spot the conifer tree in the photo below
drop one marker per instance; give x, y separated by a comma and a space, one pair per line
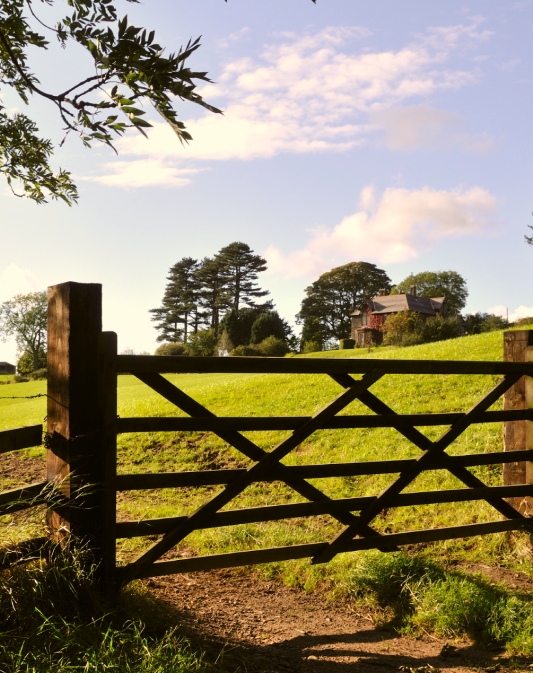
213, 301
179, 309
241, 267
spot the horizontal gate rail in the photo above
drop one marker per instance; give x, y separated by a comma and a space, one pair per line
177, 364
236, 517
18, 499
21, 438
276, 554
251, 424
134, 482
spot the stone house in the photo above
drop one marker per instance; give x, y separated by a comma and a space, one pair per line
6, 368
367, 324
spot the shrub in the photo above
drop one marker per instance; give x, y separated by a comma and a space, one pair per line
311, 347
202, 343
25, 363
241, 351
407, 328
273, 347
20, 379
345, 344
523, 322
39, 374
266, 325
172, 349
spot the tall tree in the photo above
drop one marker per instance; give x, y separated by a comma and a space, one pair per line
325, 311
213, 300
449, 284
178, 311
242, 267
25, 317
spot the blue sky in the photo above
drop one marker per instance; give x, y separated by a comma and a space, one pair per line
397, 133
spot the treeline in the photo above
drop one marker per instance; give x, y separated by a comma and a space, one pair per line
216, 306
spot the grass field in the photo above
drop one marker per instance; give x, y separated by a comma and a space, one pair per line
293, 395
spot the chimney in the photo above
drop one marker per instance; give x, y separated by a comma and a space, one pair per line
383, 292
412, 290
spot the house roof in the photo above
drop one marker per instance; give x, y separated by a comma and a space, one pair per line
393, 303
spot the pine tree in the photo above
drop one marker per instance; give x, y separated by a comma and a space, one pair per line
241, 267
179, 309
211, 278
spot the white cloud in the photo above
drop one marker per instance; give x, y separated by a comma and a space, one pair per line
15, 280
398, 227
304, 94
517, 314
415, 126
143, 173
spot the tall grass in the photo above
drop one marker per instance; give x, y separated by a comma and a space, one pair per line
53, 619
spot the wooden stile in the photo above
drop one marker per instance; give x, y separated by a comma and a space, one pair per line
518, 347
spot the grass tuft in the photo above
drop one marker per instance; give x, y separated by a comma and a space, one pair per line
53, 618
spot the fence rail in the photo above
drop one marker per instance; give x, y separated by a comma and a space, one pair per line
16, 439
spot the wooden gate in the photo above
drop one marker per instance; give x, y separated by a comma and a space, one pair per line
83, 425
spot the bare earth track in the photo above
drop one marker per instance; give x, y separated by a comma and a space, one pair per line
266, 627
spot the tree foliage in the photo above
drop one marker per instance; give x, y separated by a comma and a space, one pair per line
325, 311
25, 317
449, 284
477, 323
211, 293
26, 364
269, 324
130, 69
179, 309
241, 267
408, 328
529, 239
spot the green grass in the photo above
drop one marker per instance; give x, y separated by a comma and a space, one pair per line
53, 620
265, 395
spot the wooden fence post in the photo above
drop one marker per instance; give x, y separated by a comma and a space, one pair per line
81, 456
518, 435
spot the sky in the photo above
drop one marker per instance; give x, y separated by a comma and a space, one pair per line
392, 132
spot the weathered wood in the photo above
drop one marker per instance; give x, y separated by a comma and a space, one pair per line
146, 364
133, 482
21, 438
277, 554
518, 435
17, 499
236, 517
81, 412
74, 327
257, 424
107, 473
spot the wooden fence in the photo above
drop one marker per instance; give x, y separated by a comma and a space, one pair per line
82, 429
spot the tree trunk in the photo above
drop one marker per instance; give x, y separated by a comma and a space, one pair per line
35, 360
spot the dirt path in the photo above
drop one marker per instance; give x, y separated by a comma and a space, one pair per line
269, 628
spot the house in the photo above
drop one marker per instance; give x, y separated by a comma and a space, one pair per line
367, 324
6, 368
